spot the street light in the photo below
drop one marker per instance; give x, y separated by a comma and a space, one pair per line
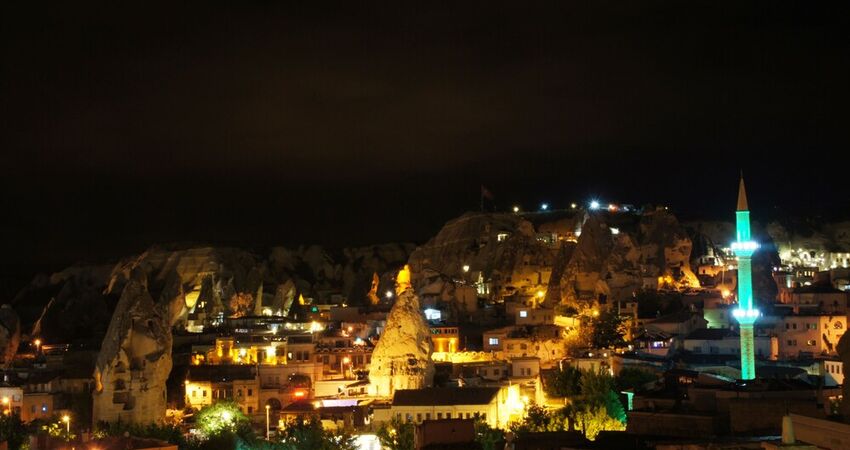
268, 435
7, 409
67, 419
37, 343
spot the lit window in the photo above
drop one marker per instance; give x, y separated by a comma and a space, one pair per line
811, 342
493, 341
523, 313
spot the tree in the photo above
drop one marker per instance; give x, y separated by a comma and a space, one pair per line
396, 435
590, 420
564, 382
487, 436
633, 378
598, 408
308, 434
538, 419
608, 331
595, 385
224, 418
12, 431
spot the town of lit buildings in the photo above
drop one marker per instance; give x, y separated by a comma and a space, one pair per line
496, 339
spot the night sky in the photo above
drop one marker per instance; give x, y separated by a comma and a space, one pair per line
125, 125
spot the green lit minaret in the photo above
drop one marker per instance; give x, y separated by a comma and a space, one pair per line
745, 313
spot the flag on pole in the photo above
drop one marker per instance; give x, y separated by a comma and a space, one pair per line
485, 193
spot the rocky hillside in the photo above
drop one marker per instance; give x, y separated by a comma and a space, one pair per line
566, 256
78, 302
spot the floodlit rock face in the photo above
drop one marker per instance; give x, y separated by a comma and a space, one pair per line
78, 302
568, 257
135, 359
618, 254
402, 357
10, 335
503, 249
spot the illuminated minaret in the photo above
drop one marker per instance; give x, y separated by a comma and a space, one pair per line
745, 313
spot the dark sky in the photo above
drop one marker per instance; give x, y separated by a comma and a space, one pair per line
359, 122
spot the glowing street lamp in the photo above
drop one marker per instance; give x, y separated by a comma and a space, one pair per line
594, 205
544, 206
268, 435
67, 419
389, 294
573, 206
516, 209
7, 409
37, 343
465, 267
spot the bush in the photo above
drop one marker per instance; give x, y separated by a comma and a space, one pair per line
396, 435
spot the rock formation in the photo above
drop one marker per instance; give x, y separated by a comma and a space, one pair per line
575, 257
503, 250
373, 290
135, 358
402, 357
10, 335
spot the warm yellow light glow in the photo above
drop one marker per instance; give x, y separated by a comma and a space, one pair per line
66, 419
595, 313
315, 326
466, 267
516, 209
725, 293
402, 280
346, 360
191, 299
267, 407
37, 343
540, 294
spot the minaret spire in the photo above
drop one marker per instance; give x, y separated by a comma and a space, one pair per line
742, 195
746, 314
